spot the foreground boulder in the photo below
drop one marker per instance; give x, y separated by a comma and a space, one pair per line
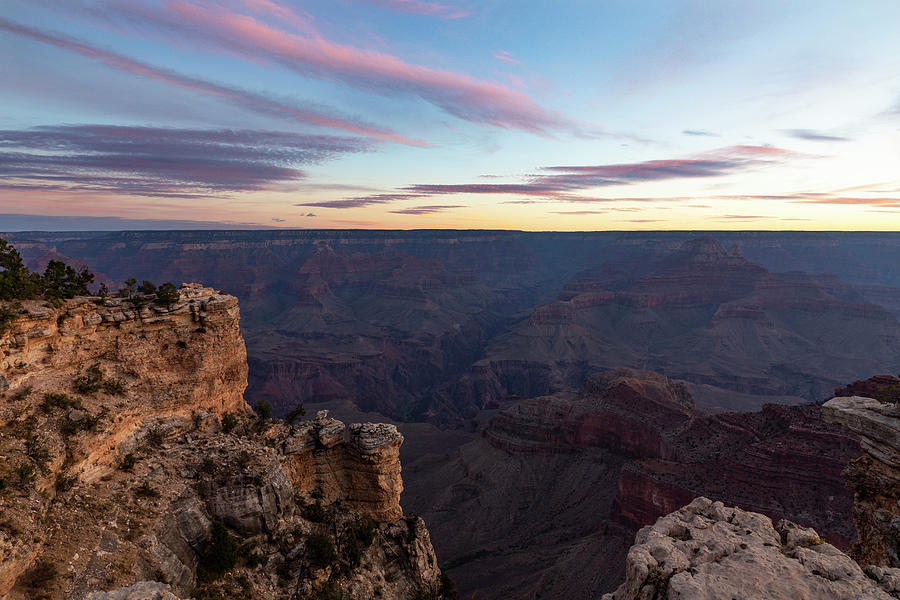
707, 551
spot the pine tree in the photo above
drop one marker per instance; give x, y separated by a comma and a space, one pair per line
16, 281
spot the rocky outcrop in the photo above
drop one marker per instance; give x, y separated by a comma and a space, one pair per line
707, 551
186, 357
144, 590
874, 476
131, 457
359, 465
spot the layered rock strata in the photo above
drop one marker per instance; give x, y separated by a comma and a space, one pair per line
874, 476
133, 464
359, 465
707, 551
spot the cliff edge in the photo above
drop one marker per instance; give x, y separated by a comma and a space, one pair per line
133, 468
874, 476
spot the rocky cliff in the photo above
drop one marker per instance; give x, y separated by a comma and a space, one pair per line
874, 476
707, 551
131, 457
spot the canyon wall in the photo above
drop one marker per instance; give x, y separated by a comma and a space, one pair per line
874, 476
438, 325
601, 463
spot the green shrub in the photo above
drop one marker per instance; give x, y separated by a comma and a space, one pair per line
147, 288
314, 512
295, 414
229, 422
40, 575
89, 383
448, 588
811, 541
365, 531
167, 295
25, 472
145, 490
330, 590
16, 281
36, 451
87, 423
263, 410
59, 400
221, 554
320, 550
114, 387
64, 483
128, 462
8, 316
155, 437
351, 551
60, 281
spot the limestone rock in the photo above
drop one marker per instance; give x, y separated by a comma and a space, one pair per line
145, 590
253, 506
706, 551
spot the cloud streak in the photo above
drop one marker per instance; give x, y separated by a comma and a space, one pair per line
562, 182
506, 57
362, 201
160, 162
427, 9
216, 27
812, 135
258, 103
427, 210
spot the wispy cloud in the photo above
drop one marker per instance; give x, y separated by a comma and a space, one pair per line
216, 27
700, 132
163, 162
506, 57
827, 199
362, 201
814, 136
417, 7
26, 222
562, 182
427, 210
259, 103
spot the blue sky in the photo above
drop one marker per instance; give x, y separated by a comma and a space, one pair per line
494, 114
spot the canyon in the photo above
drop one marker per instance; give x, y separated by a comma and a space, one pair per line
440, 325
568, 479
556, 392
134, 468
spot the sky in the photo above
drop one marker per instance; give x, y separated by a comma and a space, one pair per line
490, 114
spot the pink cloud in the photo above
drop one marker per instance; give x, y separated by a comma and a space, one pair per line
300, 22
417, 7
246, 99
460, 95
506, 57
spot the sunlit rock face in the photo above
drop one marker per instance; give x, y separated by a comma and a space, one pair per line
133, 468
